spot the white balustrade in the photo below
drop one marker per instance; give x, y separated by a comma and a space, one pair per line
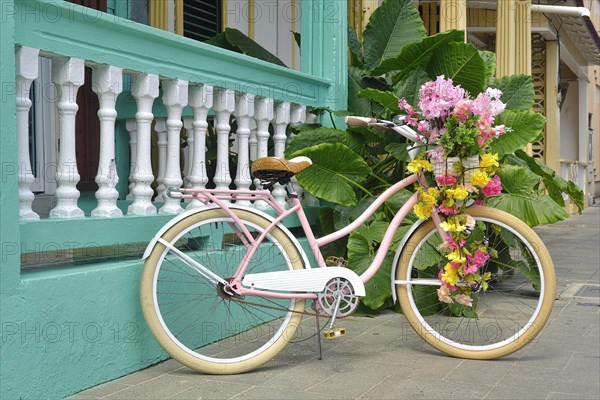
263, 115
107, 83
224, 105
175, 97
131, 127
244, 112
297, 117
27, 72
253, 141
160, 127
144, 88
281, 122
201, 101
68, 75
188, 151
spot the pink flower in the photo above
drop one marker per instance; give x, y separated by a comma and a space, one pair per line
493, 188
436, 154
452, 243
403, 105
447, 210
446, 180
476, 261
463, 299
479, 202
439, 98
462, 110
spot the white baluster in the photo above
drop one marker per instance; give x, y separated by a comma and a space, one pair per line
297, 117
160, 127
107, 83
131, 127
201, 100
253, 141
175, 97
282, 119
188, 150
224, 105
68, 75
144, 88
243, 114
263, 115
27, 72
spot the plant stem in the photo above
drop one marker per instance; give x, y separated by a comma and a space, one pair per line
357, 185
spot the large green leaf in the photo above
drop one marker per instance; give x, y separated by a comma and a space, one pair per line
517, 91
520, 197
362, 247
555, 185
355, 49
399, 151
387, 99
392, 26
526, 126
518, 180
335, 168
250, 47
532, 209
312, 137
460, 62
489, 58
417, 55
408, 86
357, 105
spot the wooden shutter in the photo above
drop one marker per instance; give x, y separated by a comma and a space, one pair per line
201, 18
87, 125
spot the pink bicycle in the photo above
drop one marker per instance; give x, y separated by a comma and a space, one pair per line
225, 286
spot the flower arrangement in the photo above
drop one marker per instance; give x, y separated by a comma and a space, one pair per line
456, 132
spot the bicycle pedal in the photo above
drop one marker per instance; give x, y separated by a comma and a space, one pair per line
333, 261
334, 333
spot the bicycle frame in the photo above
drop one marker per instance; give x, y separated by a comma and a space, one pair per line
222, 198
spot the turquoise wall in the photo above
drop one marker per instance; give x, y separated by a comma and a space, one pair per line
65, 330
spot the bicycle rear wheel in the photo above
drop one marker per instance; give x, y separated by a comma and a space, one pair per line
194, 319
506, 316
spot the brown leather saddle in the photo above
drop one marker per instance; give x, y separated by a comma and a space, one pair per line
272, 169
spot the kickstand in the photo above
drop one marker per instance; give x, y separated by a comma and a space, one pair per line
319, 338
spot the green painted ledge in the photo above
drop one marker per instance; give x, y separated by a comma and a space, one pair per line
66, 29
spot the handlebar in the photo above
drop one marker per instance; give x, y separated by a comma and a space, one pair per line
398, 125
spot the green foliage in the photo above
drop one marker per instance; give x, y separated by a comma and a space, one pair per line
234, 40
392, 26
335, 172
462, 63
526, 126
517, 91
489, 60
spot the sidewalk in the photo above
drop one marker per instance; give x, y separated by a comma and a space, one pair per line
382, 358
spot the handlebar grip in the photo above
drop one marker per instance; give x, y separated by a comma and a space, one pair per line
359, 121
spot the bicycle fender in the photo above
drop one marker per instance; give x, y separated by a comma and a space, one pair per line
403, 242
187, 213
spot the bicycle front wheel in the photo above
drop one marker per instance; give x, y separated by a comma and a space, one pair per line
191, 315
503, 318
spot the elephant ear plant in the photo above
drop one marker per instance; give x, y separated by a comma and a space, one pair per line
352, 167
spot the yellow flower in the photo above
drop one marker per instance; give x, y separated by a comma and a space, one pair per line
430, 197
450, 275
459, 193
452, 226
489, 161
422, 210
456, 257
416, 166
480, 178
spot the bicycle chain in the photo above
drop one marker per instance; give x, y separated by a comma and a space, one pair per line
284, 309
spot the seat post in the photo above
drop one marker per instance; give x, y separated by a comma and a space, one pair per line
290, 187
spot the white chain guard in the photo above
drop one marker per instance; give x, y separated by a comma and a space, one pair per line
303, 280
